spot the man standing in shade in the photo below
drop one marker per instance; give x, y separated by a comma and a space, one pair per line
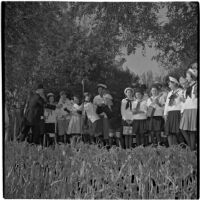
34, 116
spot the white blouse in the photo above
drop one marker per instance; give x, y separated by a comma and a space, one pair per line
126, 113
159, 109
190, 102
61, 113
76, 108
143, 107
50, 115
177, 104
90, 111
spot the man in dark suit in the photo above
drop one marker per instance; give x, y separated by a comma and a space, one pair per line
34, 116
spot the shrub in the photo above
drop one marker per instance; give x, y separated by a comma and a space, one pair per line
87, 171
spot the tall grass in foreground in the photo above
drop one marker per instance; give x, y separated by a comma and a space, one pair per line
87, 171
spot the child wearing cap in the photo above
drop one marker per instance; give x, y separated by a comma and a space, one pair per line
188, 124
127, 116
139, 110
172, 112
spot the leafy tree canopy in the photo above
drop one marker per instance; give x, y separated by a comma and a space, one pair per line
62, 43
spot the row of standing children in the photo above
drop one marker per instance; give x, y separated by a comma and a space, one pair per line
72, 119
144, 119
174, 113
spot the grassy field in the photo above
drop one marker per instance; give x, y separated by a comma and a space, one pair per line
87, 171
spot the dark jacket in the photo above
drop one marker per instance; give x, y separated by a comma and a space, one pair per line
35, 109
104, 108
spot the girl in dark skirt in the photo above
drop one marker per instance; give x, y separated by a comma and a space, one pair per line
155, 112
127, 117
188, 123
172, 112
139, 110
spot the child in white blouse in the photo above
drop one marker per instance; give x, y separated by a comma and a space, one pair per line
155, 119
172, 112
140, 118
127, 116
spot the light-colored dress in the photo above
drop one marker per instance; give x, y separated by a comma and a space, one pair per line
75, 123
63, 117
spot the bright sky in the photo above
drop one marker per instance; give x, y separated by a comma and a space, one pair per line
139, 63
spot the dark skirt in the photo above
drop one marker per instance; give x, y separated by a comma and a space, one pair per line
94, 129
50, 127
173, 122
155, 123
103, 127
139, 126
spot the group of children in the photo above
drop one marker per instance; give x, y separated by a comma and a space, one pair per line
173, 113
144, 119
73, 119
